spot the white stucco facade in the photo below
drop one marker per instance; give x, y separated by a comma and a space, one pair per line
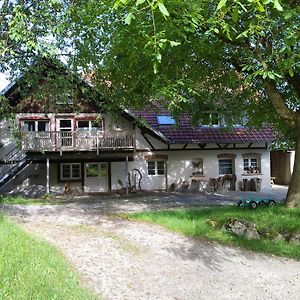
179, 167
178, 160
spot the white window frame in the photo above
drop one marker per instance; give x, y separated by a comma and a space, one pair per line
156, 168
71, 171
36, 124
258, 164
91, 128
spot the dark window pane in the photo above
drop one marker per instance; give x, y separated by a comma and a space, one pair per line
76, 171
160, 167
43, 125
66, 171
151, 167
225, 166
29, 126
246, 163
83, 125
65, 123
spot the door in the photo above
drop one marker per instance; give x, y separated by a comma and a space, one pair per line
96, 177
65, 133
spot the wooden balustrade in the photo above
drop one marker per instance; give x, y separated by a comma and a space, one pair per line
76, 140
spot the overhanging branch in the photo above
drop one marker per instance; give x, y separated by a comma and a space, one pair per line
278, 102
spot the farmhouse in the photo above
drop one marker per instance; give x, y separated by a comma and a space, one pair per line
79, 147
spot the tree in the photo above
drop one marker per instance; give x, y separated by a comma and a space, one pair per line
194, 53
231, 56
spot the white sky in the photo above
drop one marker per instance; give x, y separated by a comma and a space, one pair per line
3, 81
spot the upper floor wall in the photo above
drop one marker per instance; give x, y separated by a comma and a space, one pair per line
74, 132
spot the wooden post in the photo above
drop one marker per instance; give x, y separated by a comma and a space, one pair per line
48, 177
126, 176
166, 174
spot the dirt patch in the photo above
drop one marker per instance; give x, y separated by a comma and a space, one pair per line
121, 259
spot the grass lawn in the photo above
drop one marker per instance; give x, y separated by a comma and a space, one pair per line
207, 222
29, 201
32, 269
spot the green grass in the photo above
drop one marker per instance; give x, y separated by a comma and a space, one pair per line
32, 269
207, 222
46, 200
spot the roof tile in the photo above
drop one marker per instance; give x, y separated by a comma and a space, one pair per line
184, 132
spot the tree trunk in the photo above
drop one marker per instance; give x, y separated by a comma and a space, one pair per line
293, 196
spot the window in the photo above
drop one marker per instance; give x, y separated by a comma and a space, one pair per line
35, 125
156, 167
225, 166
197, 167
251, 163
83, 125
210, 119
96, 170
165, 120
89, 125
70, 171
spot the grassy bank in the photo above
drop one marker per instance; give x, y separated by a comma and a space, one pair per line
207, 222
44, 200
32, 269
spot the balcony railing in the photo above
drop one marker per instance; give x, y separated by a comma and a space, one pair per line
76, 140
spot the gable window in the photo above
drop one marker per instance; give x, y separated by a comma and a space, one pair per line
156, 167
70, 171
35, 125
252, 163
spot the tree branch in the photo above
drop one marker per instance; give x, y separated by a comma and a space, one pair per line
278, 102
295, 83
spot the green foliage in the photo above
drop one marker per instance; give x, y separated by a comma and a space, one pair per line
198, 224
228, 56
13, 200
32, 269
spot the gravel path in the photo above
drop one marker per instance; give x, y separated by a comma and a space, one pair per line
120, 259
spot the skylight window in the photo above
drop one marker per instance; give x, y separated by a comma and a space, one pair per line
166, 120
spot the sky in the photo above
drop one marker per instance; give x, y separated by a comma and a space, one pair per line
3, 81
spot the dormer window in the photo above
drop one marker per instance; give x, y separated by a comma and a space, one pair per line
210, 119
165, 120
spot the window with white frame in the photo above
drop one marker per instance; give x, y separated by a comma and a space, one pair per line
156, 167
252, 163
89, 125
70, 171
35, 125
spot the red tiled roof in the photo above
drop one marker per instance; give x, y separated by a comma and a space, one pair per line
184, 132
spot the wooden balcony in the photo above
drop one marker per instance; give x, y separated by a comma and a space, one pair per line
39, 141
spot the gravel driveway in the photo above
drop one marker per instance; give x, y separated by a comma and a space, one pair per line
121, 259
